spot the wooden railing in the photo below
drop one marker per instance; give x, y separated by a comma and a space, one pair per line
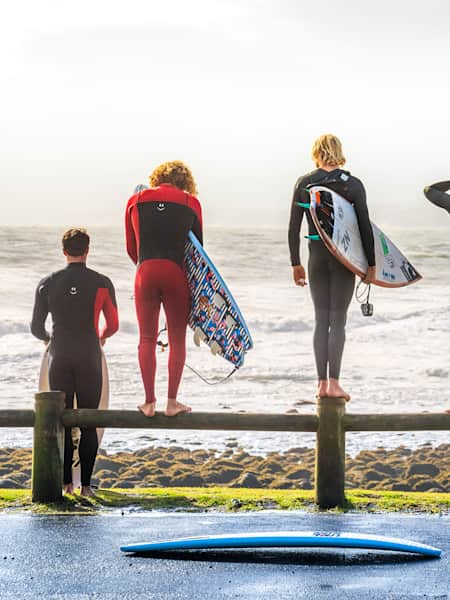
330, 425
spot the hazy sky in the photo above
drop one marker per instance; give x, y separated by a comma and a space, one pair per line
96, 93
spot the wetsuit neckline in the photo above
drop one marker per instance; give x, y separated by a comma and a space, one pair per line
76, 265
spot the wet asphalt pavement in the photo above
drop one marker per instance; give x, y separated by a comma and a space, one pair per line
72, 557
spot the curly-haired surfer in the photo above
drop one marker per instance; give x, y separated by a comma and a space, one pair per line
157, 224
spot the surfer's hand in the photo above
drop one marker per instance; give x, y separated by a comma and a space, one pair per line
298, 273
370, 275
102, 341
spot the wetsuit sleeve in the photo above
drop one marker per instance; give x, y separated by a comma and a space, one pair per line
440, 186
129, 232
109, 309
358, 200
40, 312
295, 223
197, 227
437, 194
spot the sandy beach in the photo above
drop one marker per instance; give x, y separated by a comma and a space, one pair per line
425, 469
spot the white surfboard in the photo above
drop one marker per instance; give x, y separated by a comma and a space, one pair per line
336, 222
44, 386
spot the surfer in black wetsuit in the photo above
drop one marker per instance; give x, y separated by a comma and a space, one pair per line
331, 283
75, 296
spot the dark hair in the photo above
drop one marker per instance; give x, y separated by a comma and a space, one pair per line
75, 242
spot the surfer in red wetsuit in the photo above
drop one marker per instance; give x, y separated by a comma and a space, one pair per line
331, 283
157, 224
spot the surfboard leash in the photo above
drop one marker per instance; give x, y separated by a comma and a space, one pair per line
164, 345
362, 297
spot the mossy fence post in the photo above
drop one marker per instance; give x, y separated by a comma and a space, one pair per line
48, 447
330, 453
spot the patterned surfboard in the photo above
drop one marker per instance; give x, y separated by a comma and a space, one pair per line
215, 316
335, 220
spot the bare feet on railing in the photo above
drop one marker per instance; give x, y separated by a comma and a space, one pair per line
334, 390
175, 408
87, 491
147, 409
68, 488
322, 387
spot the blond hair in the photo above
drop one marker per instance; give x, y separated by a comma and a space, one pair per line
327, 150
175, 173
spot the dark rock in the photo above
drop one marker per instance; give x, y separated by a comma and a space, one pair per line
188, 481
427, 485
247, 480
9, 484
299, 474
372, 475
423, 469
400, 487
107, 463
223, 476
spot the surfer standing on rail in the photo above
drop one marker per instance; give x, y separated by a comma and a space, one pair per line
75, 296
331, 283
157, 224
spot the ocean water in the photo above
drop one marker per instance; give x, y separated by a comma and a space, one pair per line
395, 361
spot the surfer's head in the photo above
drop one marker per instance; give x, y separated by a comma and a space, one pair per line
75, 242
176, 173
327, 151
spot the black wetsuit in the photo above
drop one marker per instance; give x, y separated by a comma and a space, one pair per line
437, 194
330, 282
75, 296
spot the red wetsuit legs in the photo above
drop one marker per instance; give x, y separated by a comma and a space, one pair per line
161, 281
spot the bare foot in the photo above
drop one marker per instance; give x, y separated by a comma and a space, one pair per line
147, 409
175, 408
68, 488
334, 390
322, 388
87, 491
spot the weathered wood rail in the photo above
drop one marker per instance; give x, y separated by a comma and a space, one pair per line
330, 425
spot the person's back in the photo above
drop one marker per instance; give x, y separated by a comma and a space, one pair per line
75, 296
157, 223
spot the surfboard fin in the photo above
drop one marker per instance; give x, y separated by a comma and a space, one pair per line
215, 348
199, 336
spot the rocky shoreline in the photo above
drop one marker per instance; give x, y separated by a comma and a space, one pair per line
425, 469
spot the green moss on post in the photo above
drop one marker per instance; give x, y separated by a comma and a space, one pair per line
330, 453
48, 447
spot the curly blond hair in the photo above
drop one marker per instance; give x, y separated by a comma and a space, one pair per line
327, 150
176, 173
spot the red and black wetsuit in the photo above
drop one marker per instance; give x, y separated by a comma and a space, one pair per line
157, 223
75, 296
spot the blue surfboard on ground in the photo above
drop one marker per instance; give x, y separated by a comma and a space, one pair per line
214, 317
286, 539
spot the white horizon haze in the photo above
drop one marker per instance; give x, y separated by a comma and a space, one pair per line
96, 94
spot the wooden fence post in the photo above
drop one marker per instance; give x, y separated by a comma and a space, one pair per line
330, 453
48, 447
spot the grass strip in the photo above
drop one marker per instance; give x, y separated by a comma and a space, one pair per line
223, 499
